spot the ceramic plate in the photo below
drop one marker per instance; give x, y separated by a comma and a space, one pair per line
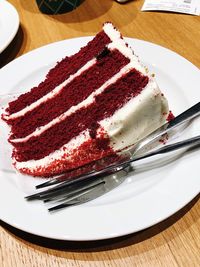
9, 24
154, 191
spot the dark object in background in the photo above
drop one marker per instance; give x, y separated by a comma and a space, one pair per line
122, 1
54, 7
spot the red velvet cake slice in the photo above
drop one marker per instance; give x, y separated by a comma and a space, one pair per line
92, 104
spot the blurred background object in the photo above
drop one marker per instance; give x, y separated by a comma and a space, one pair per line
57, 6
122, 1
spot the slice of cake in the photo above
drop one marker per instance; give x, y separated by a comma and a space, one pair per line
90, 105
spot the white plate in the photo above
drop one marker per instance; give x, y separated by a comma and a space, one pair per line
147, 197
9, 24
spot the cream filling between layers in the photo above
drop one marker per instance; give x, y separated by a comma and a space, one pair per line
124, 128
56, 155
116, 43
52, 94
89, 100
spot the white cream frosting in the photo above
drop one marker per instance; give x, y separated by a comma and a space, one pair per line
125, 128
111, 32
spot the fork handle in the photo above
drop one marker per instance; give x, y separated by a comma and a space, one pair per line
185, 116
190, 142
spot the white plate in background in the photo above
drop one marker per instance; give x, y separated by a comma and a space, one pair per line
9, 24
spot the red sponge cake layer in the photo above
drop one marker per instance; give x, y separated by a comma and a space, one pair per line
70, 95
61, 72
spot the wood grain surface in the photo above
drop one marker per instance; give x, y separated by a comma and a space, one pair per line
173, 242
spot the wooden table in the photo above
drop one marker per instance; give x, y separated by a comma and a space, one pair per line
175, 241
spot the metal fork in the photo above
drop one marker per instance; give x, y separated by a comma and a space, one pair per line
96, 182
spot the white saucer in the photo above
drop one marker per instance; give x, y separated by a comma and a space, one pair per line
9, 24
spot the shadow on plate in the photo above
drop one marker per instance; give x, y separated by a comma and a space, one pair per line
102, 245
12, 51
87, 12
32, 6
96, 10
